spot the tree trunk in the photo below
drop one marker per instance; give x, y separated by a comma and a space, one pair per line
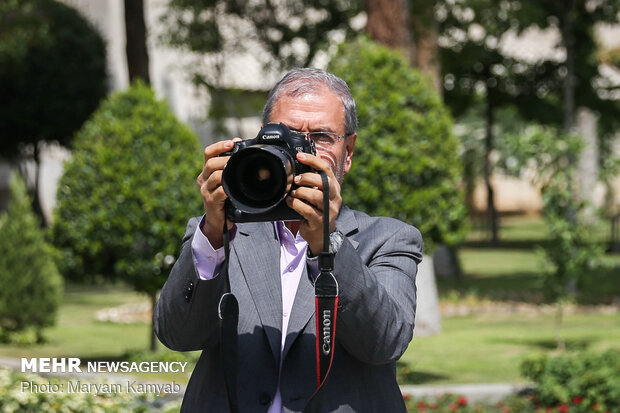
137, 52
488, 167
36, 198
559, 316
153, 346
568, 39
388, 24
426, 34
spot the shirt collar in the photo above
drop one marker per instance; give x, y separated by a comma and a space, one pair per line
286, 238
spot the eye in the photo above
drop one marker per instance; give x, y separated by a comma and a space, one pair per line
322, 137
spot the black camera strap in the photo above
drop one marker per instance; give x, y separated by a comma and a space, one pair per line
326, 305
228, 312
326, 298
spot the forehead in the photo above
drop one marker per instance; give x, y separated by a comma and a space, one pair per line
320, 109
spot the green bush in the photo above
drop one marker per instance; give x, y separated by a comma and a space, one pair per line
52, 72
30, 285
127, 193
405, 163
583, 382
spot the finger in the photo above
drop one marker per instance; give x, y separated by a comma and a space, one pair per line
218, 148
308, 212
219, 195
311, 179
314, 180
216, 197
214, 180
214, 164
315, 162
311, 195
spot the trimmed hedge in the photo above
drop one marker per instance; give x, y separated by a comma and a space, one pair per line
126, 195
30, 285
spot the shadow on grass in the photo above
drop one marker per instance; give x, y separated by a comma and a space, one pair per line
599, 287
518, 286
522, 244
110, 358
407, 375
572, 344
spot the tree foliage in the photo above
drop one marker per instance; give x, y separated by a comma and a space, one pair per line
576, 21
405, 163
30, 285
571, 253
478, 73
290, 31
473, 58
479, 70
125, 197
52, 73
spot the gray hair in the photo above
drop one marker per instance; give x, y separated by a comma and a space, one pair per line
300, 81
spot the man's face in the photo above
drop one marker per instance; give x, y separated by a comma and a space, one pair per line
315, 112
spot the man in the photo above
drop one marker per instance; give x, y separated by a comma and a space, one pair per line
272, 268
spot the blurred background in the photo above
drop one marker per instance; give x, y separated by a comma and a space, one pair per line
491, 125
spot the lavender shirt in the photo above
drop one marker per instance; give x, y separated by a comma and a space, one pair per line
292, 261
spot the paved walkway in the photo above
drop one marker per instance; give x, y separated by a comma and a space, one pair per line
492, 392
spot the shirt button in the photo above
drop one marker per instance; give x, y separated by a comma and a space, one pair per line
264, 399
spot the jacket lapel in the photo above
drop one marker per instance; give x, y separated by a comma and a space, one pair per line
304, 305
258, 252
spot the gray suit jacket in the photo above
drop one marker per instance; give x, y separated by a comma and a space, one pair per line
375, 268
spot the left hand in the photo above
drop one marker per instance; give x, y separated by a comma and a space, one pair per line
307, 200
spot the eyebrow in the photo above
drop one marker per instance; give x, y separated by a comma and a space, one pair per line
318, 130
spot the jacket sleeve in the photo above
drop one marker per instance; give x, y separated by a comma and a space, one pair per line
377, 298
185, 316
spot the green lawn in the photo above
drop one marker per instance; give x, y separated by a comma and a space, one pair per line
517, 274
490, 348
526, 230
78, 334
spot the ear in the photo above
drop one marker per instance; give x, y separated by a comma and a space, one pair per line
349, 148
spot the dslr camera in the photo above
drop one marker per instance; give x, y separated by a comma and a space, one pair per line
260, 172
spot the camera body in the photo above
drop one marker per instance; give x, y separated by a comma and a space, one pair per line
260, 172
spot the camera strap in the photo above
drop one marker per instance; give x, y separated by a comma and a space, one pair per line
326, 298
228, 312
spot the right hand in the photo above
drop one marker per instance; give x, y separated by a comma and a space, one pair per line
213, 196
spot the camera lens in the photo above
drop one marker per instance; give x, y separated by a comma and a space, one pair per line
258, 177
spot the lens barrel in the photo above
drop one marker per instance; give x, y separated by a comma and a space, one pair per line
258, 177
